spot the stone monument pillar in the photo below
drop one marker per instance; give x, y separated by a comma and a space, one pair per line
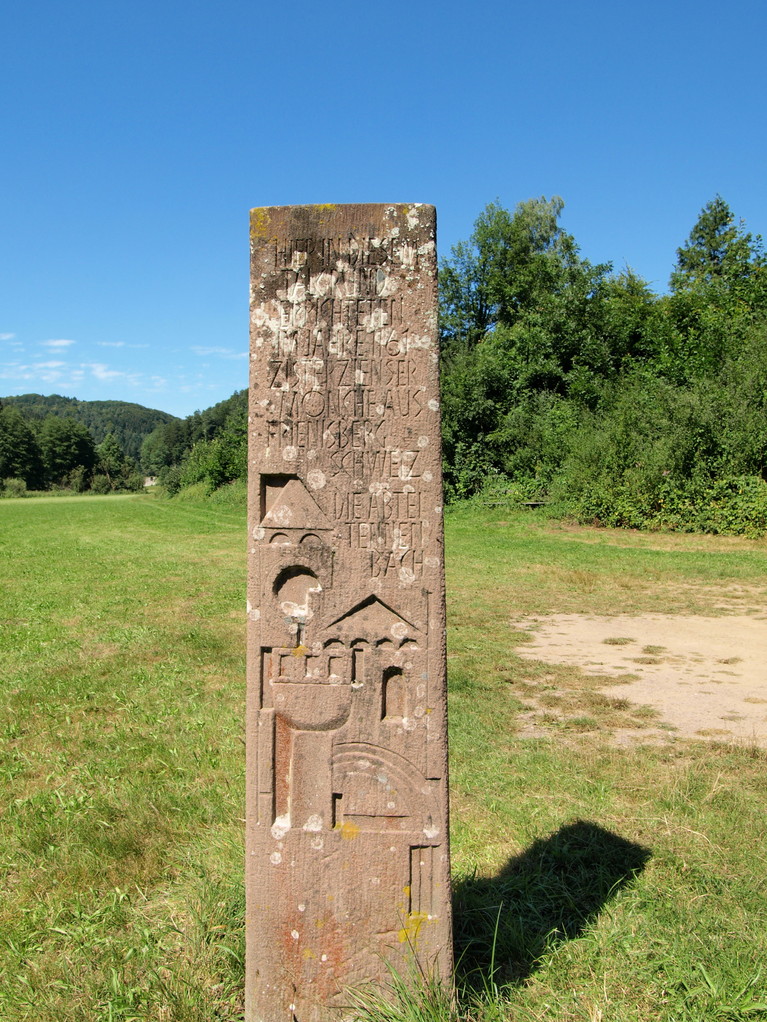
347, 832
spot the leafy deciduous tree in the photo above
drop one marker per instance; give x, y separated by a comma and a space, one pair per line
66, 446
19, 451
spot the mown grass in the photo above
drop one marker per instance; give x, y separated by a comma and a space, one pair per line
592, 882
121, 659
595, 881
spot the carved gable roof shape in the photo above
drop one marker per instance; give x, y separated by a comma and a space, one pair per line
295, 508
372, 615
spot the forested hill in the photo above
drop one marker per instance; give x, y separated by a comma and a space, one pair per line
129, 423
60, 443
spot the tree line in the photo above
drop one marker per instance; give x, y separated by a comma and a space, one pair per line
45, 443
129, 423
565, 382
60, 452
562, 382
208, 447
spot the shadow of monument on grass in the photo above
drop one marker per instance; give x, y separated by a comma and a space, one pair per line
548, 894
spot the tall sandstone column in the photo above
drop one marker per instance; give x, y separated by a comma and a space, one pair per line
347, 834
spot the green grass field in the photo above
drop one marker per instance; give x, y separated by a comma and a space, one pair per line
592, 882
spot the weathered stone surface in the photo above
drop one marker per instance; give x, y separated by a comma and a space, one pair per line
347, 843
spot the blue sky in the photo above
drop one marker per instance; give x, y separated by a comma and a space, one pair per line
136, 136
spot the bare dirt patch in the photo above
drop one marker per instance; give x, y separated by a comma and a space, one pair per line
706, 676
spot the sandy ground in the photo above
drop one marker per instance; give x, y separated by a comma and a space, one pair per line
707, 676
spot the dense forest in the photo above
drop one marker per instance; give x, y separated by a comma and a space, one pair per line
563, 382
60, 453
207, 447
61, 443
568, 383
128, 423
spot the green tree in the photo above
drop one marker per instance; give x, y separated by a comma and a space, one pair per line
466, 310
719, 290
20, 456
171, 443
222, 459
66, 446
520, 314
166, 445
520, 284
113, 464
512, 265
718, 250
628, 319
129, 422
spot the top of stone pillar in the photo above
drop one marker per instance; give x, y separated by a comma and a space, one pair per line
328, 220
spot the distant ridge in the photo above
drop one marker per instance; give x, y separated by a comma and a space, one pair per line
130, 423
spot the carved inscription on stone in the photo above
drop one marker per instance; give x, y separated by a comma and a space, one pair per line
347, 844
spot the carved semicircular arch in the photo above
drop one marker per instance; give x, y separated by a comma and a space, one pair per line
294, 582
387, 768
295, 588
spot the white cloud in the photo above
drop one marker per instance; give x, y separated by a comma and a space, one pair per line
102, 372
7, 337
44, 372
120, 344
57, 344
199, 349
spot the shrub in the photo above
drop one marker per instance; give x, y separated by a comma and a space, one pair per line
13, 488
170, 478
101, 484
133, 482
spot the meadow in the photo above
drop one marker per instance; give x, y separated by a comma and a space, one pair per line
592, 881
